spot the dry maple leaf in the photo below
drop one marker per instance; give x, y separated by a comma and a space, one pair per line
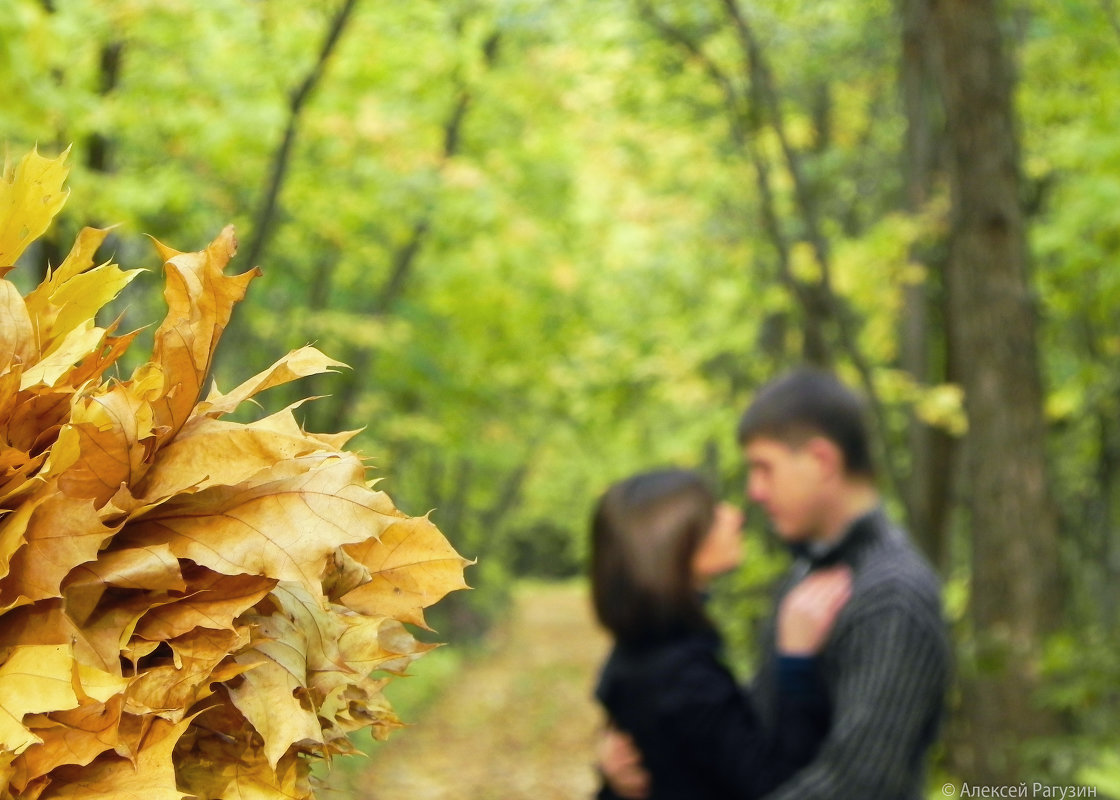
30, 195
190, 606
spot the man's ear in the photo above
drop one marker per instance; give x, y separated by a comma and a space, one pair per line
827, 454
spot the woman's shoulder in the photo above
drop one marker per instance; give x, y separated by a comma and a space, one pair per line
671, 646
655, 658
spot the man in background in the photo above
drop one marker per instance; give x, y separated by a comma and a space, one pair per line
806, 445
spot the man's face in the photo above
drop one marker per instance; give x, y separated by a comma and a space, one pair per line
786, 482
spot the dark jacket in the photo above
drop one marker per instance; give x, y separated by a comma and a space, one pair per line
698, 732
887, 666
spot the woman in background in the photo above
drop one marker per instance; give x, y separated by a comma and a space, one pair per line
657, 539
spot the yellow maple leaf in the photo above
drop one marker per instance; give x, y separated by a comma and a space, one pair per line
61, 358
148, 568
76, 736
129, 568
200, 300
108, 629
187, 464
275, 702
13, 530
33, 679
149, 776
17, 334
305, 657
189, 604
301, 363
109, 439
44, 678
60, 533
170, 689
47, 623
31, 194
62, 309
225, 768
285, 527
412, 566
353, 705
210, 601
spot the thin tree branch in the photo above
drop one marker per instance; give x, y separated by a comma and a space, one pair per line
263, 224
742, 124
762, 82
98, 146
405, 255
820, 298
1112, 15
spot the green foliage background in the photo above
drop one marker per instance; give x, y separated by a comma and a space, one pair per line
589, 290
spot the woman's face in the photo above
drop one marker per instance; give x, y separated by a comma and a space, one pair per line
722, 549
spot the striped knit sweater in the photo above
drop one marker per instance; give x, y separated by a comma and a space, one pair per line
887, 667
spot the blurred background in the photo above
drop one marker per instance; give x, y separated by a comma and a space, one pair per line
558, 242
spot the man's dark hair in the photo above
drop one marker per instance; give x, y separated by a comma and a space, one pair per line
810, 402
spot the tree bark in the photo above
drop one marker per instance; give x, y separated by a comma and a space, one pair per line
1098, 519
924, 352
1016, 597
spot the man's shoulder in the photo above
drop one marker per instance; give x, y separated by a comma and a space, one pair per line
895, 574
893, 554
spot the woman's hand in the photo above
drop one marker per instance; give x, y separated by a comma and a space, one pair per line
621, 764
808, 611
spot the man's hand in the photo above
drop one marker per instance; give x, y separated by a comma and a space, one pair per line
621, 765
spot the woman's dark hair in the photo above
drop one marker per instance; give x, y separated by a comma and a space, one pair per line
810, 402
644, 532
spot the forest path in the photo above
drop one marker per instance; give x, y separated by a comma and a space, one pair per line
516, 722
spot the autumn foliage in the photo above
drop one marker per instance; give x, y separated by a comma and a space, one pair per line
189, 606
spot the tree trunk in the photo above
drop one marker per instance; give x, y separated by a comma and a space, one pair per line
1103, 523
924, 353
1016, 597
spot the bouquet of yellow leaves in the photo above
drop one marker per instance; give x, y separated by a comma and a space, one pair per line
189, 606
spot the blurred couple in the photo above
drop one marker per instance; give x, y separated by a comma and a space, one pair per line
854, 663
